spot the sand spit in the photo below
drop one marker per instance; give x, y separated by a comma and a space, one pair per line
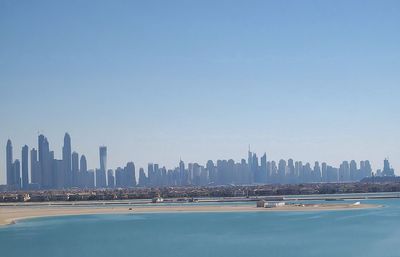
11, 214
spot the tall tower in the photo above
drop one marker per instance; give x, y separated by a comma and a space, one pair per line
17, 175
387, 170
263, 169
44, 162
130, 175
103, 157
25, 175
353, 170
83, 164
249, 158
9, 164
35, 168
75, 169
66, 158
103, 167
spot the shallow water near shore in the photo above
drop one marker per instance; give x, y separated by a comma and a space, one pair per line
369, 232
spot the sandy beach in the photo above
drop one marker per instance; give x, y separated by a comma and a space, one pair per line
11, 214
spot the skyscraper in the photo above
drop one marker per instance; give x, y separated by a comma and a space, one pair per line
17, 175
74, 169
324, 172
130, 174
317, 172
387, 170
35, 168
344, 172
353, 170
111, 178
263, 169
291, 171
211, 172
150, 174
182, 173
55, 171
101, 178
368, 170
142, 178
25, 175
281, 171
103, 157
45, 162
83, 176
254, 167
9, 164
66, 158
58, 174
83, 164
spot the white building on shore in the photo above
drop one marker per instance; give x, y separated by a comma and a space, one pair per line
265, 204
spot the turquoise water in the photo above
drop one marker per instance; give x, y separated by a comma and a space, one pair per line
374, 233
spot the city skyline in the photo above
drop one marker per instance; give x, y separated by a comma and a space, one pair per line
71, 171
199, 80
204, 128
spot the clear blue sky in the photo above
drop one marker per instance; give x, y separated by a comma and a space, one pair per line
159, 80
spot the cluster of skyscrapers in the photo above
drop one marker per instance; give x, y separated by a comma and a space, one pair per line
46, 172
71, 171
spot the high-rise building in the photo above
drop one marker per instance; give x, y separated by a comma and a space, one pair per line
142, 178
353, 171
307, 172
317, 172
9, 164
59, 177
344, 172
101, 180
324, 171
291, 171
55, 172
25, 175
110, 178
45, 162
103, 157
74, 169
281, 171
150, 174
254, 167
195, 174
89, 182
83, 173
182, 173
83, 164
387, 170
332, 174
35, 168
67, 160
262, 171
211, 172
130, 174
119, 177
17, 175
368, 170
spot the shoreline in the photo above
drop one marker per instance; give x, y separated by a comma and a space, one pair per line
11, 215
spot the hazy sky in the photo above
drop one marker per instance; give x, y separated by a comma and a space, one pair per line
159, 80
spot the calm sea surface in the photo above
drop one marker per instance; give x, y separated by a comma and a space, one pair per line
363, 233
